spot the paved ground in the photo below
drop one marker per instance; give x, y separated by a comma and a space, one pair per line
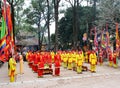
105, 77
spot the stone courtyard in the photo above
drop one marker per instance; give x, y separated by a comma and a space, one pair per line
105, 77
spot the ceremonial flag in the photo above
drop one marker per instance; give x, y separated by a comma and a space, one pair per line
9, 20
2, 44
9, 25
107, 36
103, 42
117, 37
3, 29
3, 34
95, 40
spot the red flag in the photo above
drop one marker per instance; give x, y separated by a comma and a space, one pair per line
95, 38
9, 21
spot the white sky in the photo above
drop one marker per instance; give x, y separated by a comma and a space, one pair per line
66, 5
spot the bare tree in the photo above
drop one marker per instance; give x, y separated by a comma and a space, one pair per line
109, 13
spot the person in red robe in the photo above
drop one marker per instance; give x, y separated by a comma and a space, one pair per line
49, 60
100, 57
41, 66
115, 59
110, 59
57, 61
35, 62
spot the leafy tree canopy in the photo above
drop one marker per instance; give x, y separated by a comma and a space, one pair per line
66, 24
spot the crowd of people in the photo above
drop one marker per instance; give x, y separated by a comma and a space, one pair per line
111, 56
72, 60
50, 62
40, 61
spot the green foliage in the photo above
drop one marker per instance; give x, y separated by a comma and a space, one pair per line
36, 14
66, 25
37, 18
18, 16
65, 30
53, 38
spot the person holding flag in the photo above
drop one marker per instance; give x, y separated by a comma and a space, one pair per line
110, 57
115, 59
101, 57
117, 44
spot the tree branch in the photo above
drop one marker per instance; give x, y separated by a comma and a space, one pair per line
59, 1
16, 2
9, 1
80, 2
69, 2
44, 16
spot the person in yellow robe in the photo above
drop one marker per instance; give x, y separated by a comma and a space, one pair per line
52, 55
80, 60
27, 56
69, 61
65, 59
12, 69
86, 57
62, 56
93, 61
74, 61
21, 64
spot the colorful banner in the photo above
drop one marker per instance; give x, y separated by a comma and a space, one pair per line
95, 40
6, 35
117, 37
105, 40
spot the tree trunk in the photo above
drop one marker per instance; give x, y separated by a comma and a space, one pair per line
48, 22
75, 25
41, 41
39, 44
56, 6
94, 10
56, 31
74, 28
